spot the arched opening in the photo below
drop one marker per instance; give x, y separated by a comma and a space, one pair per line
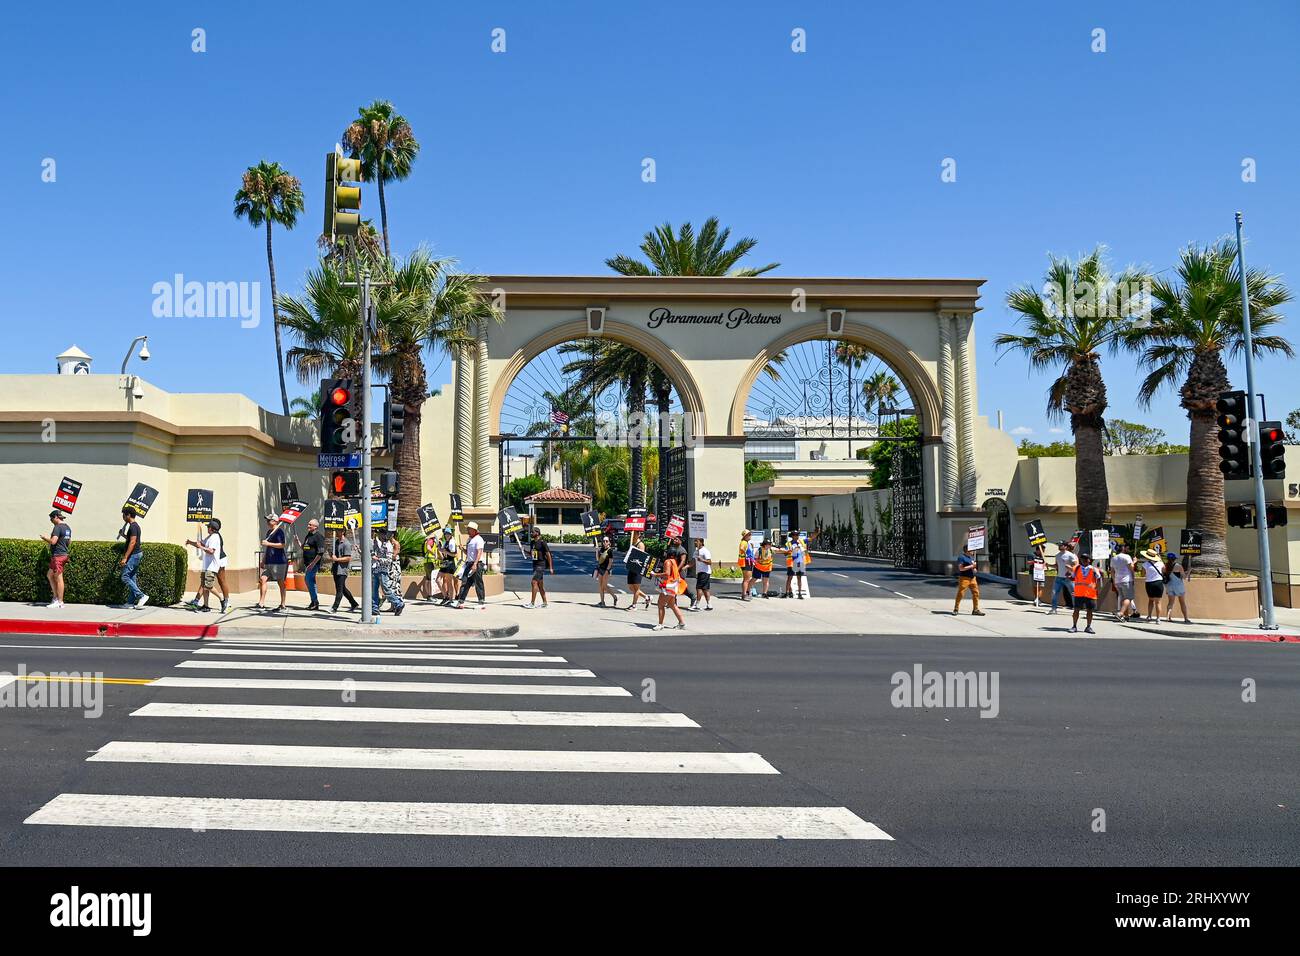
997, 518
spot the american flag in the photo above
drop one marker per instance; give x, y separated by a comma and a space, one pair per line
559, 417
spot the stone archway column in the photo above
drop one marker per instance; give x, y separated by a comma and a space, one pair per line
966, 409
462, 425
949, 491
482, 446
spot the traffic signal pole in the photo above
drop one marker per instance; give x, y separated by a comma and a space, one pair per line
1256, 456
367, 579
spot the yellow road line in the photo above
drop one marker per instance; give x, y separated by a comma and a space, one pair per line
93, 680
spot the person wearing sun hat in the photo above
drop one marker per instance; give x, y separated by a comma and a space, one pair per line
1155, 582
473, 573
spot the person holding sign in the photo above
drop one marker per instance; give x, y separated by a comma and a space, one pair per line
745, 558
1038, 573
432, 555
209, 546
670, 585
967, 580
130, 561
447, 551
1121, 582
58, 539
1155, 583
1065, 562
634, 574
340, 562
763, 566
703, 576
473, 573
1175, 587
1086, 580
604, 564
540, 554
275, 561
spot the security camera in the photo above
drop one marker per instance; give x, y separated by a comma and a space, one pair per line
144, 352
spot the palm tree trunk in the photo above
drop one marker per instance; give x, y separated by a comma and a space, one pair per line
383, 210
662, 397
636, 473
1205, 508
1092, 495
411, 491
275, 322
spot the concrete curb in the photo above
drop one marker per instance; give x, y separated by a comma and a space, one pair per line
359, 632
190, 632
1225, 635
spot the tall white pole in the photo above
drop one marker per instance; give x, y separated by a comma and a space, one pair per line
367, 597
1256, 454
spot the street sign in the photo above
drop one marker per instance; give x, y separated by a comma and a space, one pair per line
697, 522
198, 505
342, 459
65, 499
141, 500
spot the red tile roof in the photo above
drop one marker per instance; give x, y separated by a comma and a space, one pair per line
558, 496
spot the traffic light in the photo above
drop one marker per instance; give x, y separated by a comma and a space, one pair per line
1275, 516
1272, 449
340, 416
388, 484
394, 424
1234, 447
338, 170
1241, 516
345, 484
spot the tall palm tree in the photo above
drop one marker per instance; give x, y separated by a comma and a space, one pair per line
1081, 310
880, 387
683, 253
429, 304
305, 406
366, 244
382, 139
326, 324
1195, 318
267, 195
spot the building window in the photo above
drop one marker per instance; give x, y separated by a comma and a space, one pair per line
572, 515
548, 515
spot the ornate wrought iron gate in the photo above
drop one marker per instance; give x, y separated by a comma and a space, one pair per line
908, 507
676, 494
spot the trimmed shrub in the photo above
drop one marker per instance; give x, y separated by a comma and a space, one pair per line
91, 575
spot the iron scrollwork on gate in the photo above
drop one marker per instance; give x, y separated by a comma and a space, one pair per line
908, 506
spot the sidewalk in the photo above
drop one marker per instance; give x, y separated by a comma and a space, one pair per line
575, 616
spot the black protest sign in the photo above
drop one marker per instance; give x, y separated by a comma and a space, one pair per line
198, 505
635, 560
429, 523
334, 515
65, 499
456, 513
288, 493
1190, 541
1034, 531
508, 521
635, 519
491, 540
292, 511
591, 524
352, 513
141, 499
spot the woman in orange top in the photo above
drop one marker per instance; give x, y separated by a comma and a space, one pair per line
763, 566
670, 585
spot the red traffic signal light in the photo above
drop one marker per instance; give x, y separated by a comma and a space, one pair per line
1272, 449
339, 396
345, 484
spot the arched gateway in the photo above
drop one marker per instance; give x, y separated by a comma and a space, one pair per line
713, 337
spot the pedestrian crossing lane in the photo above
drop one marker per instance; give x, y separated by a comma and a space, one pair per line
254, 675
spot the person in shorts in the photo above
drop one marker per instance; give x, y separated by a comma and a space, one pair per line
703, 577
604, 564
1086, 581
209, 548
1122, 583
634, 580
59, 538
540, 553
763, 566
447, 551
275, 560
745, 558
1153, 574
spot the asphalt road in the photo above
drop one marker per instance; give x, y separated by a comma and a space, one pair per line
826, 577
1155, 734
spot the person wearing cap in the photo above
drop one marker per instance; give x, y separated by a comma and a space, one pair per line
340, 563
473, 573
209, 547
59, 538
447, 550
1154, 577
540, 554
1121, 583
275, 561
215, 527
131, 556
1065, 562
604, 564
745, 558
967, 580
314, 547
1086, 581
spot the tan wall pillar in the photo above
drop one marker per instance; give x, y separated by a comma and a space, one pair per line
483, 472
462, 427
949, 491
966, 410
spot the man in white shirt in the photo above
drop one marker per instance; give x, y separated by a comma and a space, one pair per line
473, 574
1065, 562
210, 554
1121, 569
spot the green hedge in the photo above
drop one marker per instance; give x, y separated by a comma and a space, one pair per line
91, 575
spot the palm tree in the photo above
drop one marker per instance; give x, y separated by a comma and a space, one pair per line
305, 406
366, 244
382, 139
685, 254
1196, 317
880, 387
428, 304
1081, 310
326, 324
268, 194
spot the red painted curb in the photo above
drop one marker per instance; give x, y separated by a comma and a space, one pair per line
106, 629
1270, 638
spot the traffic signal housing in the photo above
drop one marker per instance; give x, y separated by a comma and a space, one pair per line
1275, 516
340, 416
1234, 443
388, 484
339, 197
345, 483
1272, 449
1241, 516
394, 424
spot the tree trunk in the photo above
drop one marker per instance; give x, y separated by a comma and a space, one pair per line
1205, 501
636, 472
410, 489
663, 396
1092, 495
275, 321
383, 209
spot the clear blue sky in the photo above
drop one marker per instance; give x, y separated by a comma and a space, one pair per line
531, 159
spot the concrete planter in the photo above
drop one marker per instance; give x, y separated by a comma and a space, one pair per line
1218, 599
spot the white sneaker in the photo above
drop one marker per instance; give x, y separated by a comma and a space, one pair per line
55, 604
657, 627
680, 627
144, 599
530, 604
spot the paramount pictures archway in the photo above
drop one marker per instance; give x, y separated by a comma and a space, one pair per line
713, 337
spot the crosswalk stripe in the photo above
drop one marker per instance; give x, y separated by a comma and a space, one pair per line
368, 686
388, 668
411, 715
393, 758
458, 819
375, 645
384, 655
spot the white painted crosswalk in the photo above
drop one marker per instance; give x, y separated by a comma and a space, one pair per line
248, 695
